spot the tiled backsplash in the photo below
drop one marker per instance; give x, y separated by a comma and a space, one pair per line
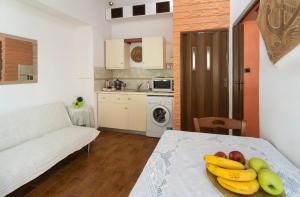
131, 76
139, 73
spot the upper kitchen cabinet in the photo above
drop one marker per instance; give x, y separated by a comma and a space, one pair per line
117, 54
154, 53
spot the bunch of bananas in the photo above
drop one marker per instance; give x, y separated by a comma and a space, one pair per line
232, 175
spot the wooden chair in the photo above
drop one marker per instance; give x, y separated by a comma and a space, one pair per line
219, 122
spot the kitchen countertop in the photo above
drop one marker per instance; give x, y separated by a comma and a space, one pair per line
143, 92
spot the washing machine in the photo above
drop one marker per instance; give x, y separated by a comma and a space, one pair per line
159, 115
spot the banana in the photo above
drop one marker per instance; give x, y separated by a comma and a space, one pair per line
233, 175
224, 163
246, 188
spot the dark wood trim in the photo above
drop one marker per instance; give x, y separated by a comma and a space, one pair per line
122, 131
238, 74
206, 31
132, 40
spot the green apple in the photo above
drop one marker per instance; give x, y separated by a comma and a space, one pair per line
257, 164
270, 182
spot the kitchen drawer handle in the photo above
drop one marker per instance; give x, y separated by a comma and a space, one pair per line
126, 108
129, 98
118, 98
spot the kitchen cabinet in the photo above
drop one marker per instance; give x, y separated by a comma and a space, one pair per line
137, 112
154, 53
117, 54
106, 115
122, 111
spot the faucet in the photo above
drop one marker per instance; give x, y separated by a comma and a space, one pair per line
139, 85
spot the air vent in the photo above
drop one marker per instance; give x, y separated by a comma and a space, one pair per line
163, 7
148, 9
116, 12
138, 10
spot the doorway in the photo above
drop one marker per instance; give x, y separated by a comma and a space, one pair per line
246, 71
204, 78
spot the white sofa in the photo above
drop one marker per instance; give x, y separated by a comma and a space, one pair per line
34, 140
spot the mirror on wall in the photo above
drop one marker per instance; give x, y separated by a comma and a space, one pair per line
18, 60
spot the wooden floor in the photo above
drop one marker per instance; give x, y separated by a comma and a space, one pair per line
110, 169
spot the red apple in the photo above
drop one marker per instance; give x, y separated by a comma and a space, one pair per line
237, 156
220, 154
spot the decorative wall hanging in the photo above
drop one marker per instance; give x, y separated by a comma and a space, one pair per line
136, 54
279, 23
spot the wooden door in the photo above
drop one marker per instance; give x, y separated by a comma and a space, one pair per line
238, 75
204, 76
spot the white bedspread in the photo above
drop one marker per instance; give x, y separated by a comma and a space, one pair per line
176, 167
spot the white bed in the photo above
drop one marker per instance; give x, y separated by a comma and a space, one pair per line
176, 167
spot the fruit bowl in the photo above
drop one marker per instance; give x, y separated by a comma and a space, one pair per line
228, 193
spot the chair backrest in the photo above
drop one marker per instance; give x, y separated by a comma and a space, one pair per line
219, 122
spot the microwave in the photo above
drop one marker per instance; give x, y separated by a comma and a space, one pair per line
162, 85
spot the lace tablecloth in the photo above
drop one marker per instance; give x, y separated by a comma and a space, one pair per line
83, 116
176, 167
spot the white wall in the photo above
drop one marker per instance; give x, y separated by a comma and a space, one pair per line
279, 97
91, 12
280, 102
64, 57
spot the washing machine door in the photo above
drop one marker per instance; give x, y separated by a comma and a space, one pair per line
160, 116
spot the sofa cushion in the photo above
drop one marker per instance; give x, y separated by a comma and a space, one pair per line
25, 162
17, 127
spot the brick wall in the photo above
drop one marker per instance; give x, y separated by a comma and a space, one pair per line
15, 52
194, 15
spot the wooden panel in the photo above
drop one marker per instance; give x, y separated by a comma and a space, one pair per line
132, 40
238, 71
238, 48
238, 74
194, 15
251, 79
